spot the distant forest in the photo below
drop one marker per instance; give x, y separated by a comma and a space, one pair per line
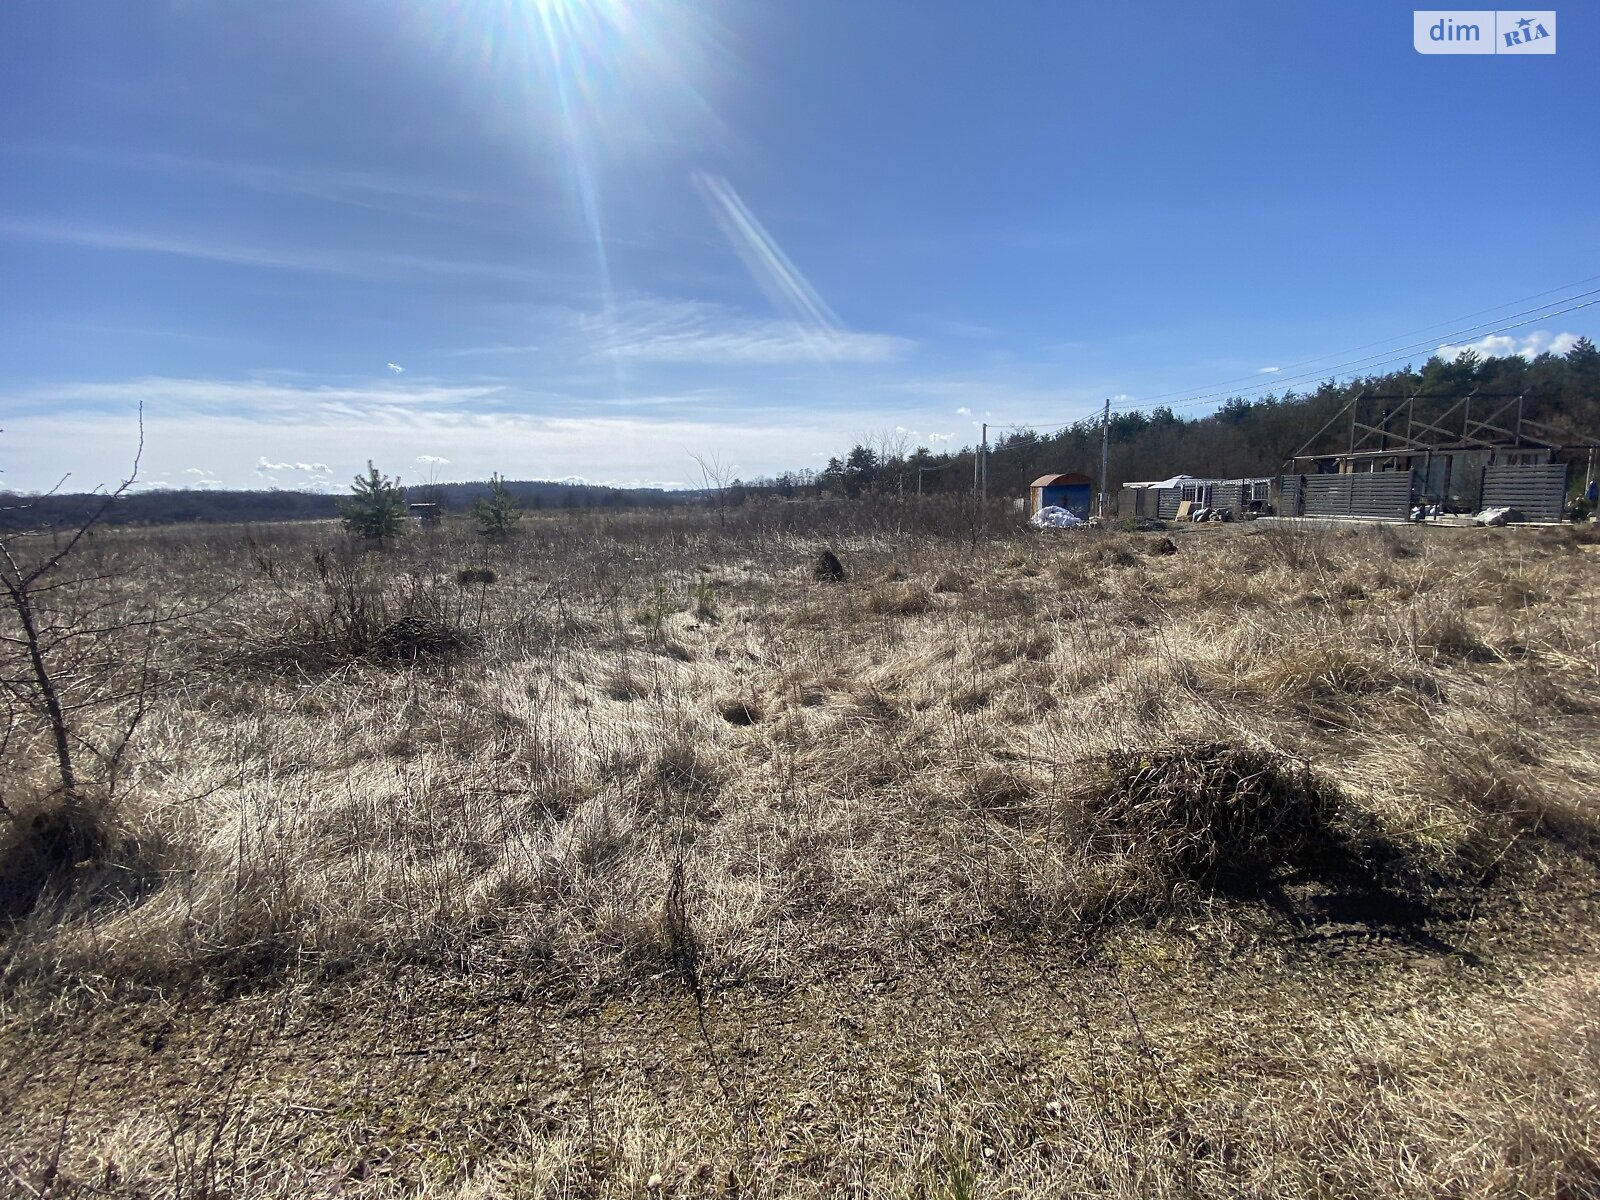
1244, 437
177, 506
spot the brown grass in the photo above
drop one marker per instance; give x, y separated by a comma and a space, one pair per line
1040, 864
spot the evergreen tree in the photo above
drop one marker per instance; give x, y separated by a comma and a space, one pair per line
498, 513
376, 508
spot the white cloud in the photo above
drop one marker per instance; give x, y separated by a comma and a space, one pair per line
263, 466
396, 368
433, 460
941, 437
1498, 345
963, 411
1268, 370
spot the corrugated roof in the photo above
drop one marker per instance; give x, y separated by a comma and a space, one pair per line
1059, 480
1179, 480
1175, 481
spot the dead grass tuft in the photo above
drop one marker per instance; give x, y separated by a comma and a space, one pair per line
826, 567
1222, 818
899, 599
412, 638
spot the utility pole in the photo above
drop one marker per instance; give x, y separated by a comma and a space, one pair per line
1105, 456
983, 489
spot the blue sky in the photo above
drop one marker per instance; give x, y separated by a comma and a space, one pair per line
588, 238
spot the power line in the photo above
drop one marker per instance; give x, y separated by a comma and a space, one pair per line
1390, 356
1488, 329
1482, 330
1411, 333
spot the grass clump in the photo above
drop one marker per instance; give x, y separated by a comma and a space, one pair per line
899, 599
1231, 820
826, 567
413, 638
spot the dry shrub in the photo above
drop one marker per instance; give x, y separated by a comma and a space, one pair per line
412, 638
468, 576
826, 567
39, 846
1221, 818
951, 581
354, 612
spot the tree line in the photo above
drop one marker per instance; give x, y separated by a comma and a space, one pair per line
1244, 437
160, 506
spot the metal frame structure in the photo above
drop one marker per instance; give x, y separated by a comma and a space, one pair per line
1441, 427
1503, 429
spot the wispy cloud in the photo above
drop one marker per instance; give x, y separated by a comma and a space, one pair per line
360, 189
266, 399
812, 322
1268, 370
376, 265
1498, 345
396, 368
687, 332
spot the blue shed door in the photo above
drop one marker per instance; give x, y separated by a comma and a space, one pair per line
1073, 497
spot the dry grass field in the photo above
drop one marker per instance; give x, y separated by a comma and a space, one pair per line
630, 859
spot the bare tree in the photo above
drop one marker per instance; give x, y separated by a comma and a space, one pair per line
715, 476
891, 447
55, 624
